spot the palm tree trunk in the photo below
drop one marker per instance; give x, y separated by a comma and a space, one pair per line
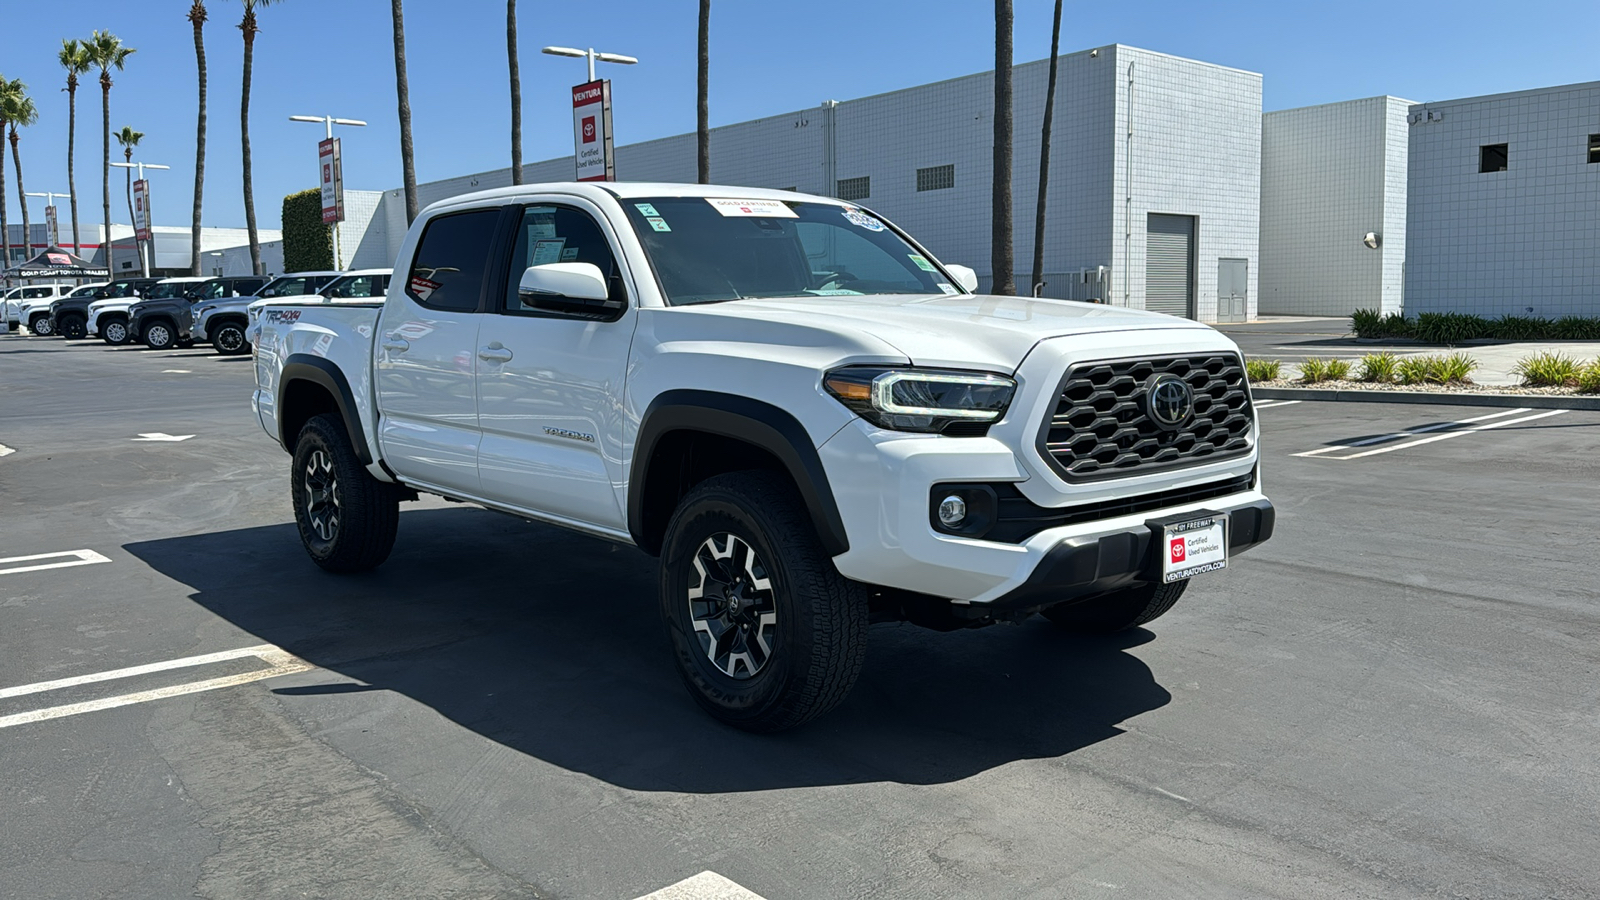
702, 111
408, 166
22, 196
516, 92
249, 29
5, 226
105, 166
1044, 156
1001, 261
197, 15
72, 184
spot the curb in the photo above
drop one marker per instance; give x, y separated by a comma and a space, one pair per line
1528, 401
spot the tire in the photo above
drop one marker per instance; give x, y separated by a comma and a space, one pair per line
802, 637
114, 332
159, 336
73, 328
1119, 610
229, 339
40, 325
347, 519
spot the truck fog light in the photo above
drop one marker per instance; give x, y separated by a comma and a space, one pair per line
952, 511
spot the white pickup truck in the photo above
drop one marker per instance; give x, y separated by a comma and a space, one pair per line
812, 421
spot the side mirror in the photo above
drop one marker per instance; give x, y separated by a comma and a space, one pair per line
570, 287
964, 276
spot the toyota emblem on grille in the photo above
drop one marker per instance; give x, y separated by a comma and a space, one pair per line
1170, 401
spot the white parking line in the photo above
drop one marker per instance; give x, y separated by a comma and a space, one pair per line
78, 558
1442, 437
1269, 404
6, 451
279, 661
708, 885
1414, 431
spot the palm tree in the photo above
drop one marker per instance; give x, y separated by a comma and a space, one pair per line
1000, 251
107, 52
75, 58
197, 18
1044, 156
5, 227
702, 112
129, 139
247, 25
19, 113
516, 92
408, 165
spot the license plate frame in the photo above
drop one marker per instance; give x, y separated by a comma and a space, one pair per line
1193, 545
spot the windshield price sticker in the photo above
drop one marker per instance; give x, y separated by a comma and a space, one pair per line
646, 209
949, 288
659, 223
922, 262
863, 220
1194, 548
764, 209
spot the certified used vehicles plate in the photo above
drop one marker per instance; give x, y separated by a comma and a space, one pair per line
1194, 547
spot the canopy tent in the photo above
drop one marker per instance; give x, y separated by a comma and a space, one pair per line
55, 262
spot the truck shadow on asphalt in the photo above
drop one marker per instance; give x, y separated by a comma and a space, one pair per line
550, 643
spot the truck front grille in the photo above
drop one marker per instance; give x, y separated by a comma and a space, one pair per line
1102, 426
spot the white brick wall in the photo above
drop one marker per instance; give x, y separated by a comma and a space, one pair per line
1329, 175
1507, 242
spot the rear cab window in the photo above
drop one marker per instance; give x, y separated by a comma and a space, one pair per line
447, 271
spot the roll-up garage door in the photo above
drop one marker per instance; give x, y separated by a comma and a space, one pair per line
1169, 264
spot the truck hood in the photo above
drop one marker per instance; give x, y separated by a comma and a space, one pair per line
962, 331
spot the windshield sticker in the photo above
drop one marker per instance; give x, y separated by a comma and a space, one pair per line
922, 262
548, 251
646, 209
766, 209
833, 292
569, 254
863, 220
949, 288
660, 224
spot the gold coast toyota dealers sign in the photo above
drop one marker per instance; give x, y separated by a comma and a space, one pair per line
591, 131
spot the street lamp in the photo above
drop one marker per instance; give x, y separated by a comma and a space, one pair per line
328, 122
592, 56
216, 259
144, 259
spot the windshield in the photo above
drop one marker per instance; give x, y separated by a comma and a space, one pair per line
167, 290
706, 250
294, 285
85, 290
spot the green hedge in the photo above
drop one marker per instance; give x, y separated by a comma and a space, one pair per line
1450, 328
307, 243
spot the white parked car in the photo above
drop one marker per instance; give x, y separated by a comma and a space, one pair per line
109, 318
813, 422
22, 300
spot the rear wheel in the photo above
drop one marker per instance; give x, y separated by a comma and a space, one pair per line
347, 519
159, 336
765, 632
229, 339
114, 332
73, 327
40, 325
1119, 610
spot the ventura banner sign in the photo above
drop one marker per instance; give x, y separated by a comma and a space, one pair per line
591, 131
141, 210
332, 181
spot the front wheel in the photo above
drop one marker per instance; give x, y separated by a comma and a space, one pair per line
159, 336
40, 325
1119, 610
765, 632
73, 328
114, 332
347, 519
229, 339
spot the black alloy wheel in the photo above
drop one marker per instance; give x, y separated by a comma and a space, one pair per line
321, 496
229, 339
73, 328
731, 606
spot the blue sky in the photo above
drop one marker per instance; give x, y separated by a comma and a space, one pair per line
335, 56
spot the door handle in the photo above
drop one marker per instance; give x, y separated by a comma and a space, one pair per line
494, 353
396, 344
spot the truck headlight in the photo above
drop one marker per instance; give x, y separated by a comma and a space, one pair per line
934, 401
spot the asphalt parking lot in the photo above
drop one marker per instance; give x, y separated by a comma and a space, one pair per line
1395, 697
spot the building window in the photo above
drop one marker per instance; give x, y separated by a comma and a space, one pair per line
936, 178
1493, 157
854, 188
1594, 148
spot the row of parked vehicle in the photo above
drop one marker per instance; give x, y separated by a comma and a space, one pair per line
162, 313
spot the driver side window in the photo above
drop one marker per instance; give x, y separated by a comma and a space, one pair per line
558, 234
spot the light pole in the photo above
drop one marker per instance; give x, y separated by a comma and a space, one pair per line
49, 207
144, 258
592, 56
216, 258
328, 122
